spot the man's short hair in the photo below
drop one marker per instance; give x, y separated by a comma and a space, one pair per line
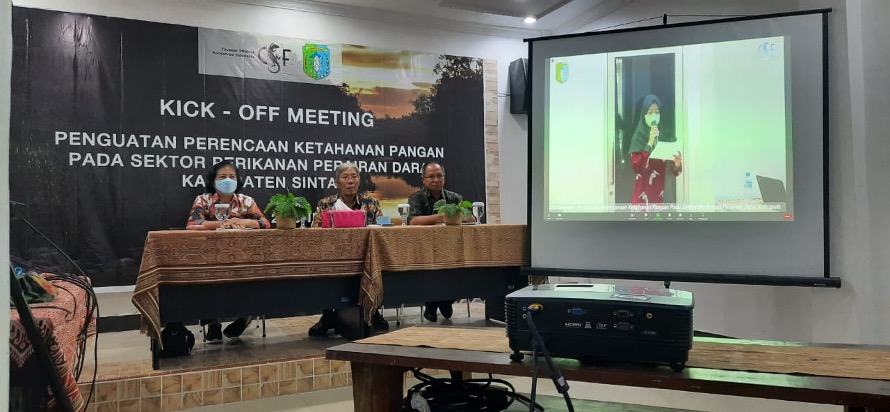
342, 167
428, 164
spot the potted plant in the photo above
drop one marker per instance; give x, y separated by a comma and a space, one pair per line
454, 212
287, 209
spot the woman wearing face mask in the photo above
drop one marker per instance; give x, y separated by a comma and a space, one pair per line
649, 183
222, 184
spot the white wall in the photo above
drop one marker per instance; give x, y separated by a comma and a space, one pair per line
5, 68
238, 17
860, 232
685, 10
871, 80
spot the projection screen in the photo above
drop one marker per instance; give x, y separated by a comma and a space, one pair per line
695, 151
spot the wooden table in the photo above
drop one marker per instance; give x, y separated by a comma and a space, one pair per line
378, 374
186, 275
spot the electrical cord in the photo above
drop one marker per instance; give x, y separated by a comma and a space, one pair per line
558, 380
534, 373
55, 246
444, 394
92, 309
79, 282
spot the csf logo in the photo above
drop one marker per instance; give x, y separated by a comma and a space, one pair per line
272, 57
562, 72
767, 50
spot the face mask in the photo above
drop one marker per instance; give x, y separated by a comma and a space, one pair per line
226, 186
653, 119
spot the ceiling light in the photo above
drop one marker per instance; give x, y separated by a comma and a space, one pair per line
530, 20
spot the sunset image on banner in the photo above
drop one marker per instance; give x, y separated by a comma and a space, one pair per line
404, 89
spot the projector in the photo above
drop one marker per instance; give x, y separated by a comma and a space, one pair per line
603, 322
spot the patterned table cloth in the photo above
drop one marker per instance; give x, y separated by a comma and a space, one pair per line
404, 248
207, 257
59, 322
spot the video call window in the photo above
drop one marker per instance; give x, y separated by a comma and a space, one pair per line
686, 133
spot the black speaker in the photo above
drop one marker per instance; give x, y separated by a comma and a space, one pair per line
520, 101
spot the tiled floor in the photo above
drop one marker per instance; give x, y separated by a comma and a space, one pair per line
585, 397
339, 400
127, 355
227, 377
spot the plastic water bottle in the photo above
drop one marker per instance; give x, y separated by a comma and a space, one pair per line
749, 187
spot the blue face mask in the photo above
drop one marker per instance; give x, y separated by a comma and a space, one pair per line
226, 186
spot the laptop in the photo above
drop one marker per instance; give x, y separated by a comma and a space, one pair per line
771, 190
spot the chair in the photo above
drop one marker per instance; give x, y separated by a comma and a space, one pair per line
399, 313
422, 304
204, 329
468, 305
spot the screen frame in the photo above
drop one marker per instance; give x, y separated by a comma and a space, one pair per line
825, 281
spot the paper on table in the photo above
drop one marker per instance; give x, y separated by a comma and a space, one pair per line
665, 150
341, 206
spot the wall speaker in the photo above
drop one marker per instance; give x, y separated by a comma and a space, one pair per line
520, 101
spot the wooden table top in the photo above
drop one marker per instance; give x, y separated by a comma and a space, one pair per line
789, 387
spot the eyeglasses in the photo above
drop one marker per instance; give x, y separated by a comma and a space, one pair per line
439, 176
348, 178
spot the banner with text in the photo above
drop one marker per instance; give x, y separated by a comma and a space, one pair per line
115, 122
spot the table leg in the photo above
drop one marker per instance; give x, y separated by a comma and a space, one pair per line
460, 376
350, 324
494, 308
377, 388
155, 354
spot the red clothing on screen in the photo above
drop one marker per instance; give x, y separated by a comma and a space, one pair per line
649, 184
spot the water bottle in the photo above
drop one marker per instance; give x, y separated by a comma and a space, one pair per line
749, 187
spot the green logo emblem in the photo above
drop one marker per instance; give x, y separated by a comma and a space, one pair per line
562, 72
316, 61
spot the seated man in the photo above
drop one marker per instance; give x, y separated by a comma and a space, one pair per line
347, 179
422, 213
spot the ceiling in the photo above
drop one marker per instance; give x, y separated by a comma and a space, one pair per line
488, 17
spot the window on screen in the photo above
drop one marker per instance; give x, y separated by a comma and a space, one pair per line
685, 133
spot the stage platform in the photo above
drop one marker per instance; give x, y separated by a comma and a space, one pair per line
287, 361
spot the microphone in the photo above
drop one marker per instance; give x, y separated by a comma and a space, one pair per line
655, 125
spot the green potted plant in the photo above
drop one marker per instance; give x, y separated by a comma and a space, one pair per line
454, 212
287, 209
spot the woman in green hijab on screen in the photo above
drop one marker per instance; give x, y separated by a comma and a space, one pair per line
650, 172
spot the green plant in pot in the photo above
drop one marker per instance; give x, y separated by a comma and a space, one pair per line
287, 209
454, 212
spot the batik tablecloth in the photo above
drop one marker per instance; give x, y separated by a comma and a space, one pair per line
207, 257
60, 322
